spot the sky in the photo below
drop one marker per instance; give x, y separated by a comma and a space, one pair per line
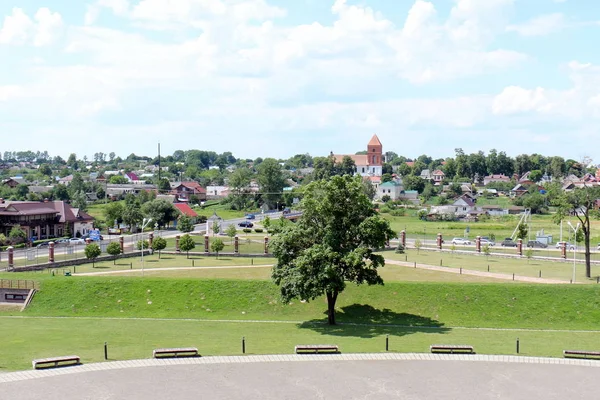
274, 78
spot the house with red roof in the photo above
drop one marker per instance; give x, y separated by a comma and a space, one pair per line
185, 209
132, 178
184, 190
45, 219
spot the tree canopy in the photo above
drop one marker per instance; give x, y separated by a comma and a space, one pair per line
333, 243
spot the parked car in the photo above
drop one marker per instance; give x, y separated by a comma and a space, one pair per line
76, 241
61, 242
250, 216
462, 241
486, 241
43, 244
508, 242
246, 224
570, 246
598, 248
536, 243
287, 210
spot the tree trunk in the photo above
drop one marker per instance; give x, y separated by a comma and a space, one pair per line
331, 299
588, 264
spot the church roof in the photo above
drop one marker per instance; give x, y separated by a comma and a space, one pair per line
359, 159
374, 141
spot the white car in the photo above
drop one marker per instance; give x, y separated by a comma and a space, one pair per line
462, 241
76, 241
569, 245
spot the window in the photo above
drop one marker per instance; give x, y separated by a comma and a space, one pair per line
12, 296
374, 158
363, 170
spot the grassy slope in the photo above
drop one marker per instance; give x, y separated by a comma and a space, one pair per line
446, 304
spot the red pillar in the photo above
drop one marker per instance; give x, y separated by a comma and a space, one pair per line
177, 243
88, 241
206, 244
478, 244
520, 247
236, 245
563, 250
439, 241
122, 244
266, 245
403, 238
150, 239
51, 252
11, 257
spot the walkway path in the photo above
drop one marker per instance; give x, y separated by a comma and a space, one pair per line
343, 376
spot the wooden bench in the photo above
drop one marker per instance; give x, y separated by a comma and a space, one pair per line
54, 362
316, 348
580, 354
175, 352
451, 348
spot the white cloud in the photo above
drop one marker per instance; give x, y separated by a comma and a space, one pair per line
514, 99
19, 29
16, 28
539, 26
9, 92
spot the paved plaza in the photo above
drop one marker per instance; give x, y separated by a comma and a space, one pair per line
345, 376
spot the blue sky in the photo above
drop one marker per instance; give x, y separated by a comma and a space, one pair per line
277, 78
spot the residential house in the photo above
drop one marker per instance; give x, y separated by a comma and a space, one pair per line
438, 176
132, 177
495, 178
489, 192
117, 191
518, 190
45, 219
65, 180
217, 192
410, 195
426, 174
375, 181
185, 209
184, 190
464, 205
391, 189
13, 182
494, 210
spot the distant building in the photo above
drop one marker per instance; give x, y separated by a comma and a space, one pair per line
370, 164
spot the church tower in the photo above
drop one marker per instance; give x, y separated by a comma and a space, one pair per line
375, 156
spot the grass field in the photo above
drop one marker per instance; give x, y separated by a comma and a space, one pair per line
562, 270
78, 315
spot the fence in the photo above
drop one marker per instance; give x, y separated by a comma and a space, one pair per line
18, 284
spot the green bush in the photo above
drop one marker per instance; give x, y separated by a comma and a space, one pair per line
247, 230
258, 230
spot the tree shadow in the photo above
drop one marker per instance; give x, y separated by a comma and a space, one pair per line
365, 321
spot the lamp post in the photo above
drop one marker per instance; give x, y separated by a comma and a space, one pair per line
145, 223
575, 245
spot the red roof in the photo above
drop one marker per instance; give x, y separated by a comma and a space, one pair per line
185, 209
195, 186
374, 141
132, 176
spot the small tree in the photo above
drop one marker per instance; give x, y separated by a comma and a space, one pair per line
400, 249
216, 227
17, 235
216, 246
142, 244
266, 222
231, 231
453, 248
529, 254
92, 251
114, 249
186, 243
522, 231
386, 198
418, 245
159, 244
185, 224
486, 250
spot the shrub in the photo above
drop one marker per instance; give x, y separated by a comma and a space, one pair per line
400, 249
258, 230
247, 230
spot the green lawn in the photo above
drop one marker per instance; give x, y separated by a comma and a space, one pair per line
194, 311
523, 267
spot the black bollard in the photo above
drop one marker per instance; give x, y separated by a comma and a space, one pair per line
513, 277
461, 270
243, 345
440, 263
488, 267
193, 265
387, 342
540, 273
105, 351
415, 264
517, 345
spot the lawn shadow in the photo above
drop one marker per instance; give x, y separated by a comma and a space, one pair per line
365, 321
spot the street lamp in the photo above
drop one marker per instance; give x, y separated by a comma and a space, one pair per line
574, 246
145, 223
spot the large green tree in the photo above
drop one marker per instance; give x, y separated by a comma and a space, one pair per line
333, 243
271, 181
160, 211
579, 203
